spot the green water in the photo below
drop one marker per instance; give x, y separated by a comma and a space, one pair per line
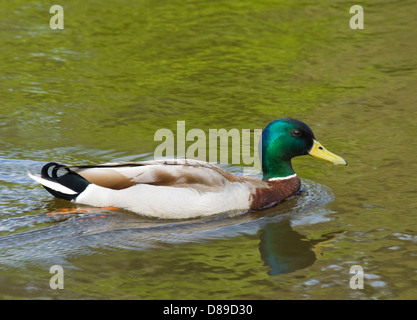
98, 90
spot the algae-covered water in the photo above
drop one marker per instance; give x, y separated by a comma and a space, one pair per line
98, 90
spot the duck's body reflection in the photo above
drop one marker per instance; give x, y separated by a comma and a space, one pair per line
285, 250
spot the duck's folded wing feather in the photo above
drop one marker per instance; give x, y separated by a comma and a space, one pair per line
199, 175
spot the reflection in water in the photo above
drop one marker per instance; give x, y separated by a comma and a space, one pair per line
285, 250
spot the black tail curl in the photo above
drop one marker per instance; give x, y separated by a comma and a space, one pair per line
70, 179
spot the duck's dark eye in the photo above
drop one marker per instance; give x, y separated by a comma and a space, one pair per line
296, 133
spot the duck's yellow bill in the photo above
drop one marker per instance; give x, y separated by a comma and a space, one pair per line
320, 152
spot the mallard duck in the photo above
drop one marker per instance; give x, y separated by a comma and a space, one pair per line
177, 189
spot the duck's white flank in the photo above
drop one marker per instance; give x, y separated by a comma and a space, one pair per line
169, 202
283, 178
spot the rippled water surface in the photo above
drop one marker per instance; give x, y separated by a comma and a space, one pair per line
98, 90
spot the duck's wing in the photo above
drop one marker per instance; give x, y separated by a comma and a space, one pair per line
195, 174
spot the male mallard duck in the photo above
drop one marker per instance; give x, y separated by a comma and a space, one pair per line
191, 188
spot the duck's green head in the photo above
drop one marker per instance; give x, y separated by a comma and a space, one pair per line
286, 138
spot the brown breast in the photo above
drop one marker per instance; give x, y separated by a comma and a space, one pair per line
274, 192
